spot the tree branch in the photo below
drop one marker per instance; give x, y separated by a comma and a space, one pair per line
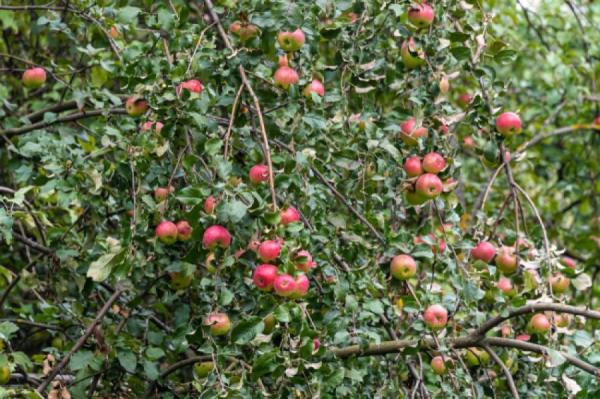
500, 363
42, 387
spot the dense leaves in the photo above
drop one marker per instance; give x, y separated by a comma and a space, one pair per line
81, 159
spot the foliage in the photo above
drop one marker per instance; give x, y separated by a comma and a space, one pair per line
77, 176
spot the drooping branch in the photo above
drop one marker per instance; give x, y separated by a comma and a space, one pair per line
67, 118
99, 316
506, 371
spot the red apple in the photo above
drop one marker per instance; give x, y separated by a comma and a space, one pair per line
210, 204
403, 267
34, 78
284, 285
508, 124
302, 286
314, 87
219, 323
539, 324
216, 236
161, 193
304, 261
264, 276
316, 345
291, 41
285, 76
411, 132
429, 185
559, 283
192, 85
435, 317
184, 230
464, 100
597, 120
411, 55
421, 15
259, 173
413, 167
147, 126
438, 365
269, 250
523, 337
505, 285
443, 128
136, 106
568, 262
484, 251
289, 215
433, 163
166, 232
506, 260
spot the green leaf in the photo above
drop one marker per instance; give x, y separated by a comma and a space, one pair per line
7, 329
101, 268
246, 330
128, 361
154, 353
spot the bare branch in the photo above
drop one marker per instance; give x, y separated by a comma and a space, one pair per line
500, 363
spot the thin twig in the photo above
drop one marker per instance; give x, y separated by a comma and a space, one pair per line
232, 119
500, 363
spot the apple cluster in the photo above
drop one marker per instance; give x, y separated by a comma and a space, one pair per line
423, 173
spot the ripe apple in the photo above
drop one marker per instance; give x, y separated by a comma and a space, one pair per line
410, 132
216, 236
597, 120
523, 337
184, 230
506, 260
438, 365
34, 78
166, 232
289, 215
505, 285
219, 323
435, 317
285, 76
429, 185
302, 285
508, 124
304, 261
161, 193
203, 369
433, 163
136, 106
291, 41
269, 250
284, 285
264, 276
259, 173
444, 84
244, 30
476, 357
316, 345
411, 55
484, 251
192, 85
413, 167
403, 267
314, 87
414, 198
180, 281
147, 126
421, 15
464, 100
568, 262
559, 283
210, 204
539, 324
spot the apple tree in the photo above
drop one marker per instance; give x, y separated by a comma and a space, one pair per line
236, 198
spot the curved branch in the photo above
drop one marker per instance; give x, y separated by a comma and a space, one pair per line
536, 307
557, 132
67, 118
42, 387
500, 363
528, 346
